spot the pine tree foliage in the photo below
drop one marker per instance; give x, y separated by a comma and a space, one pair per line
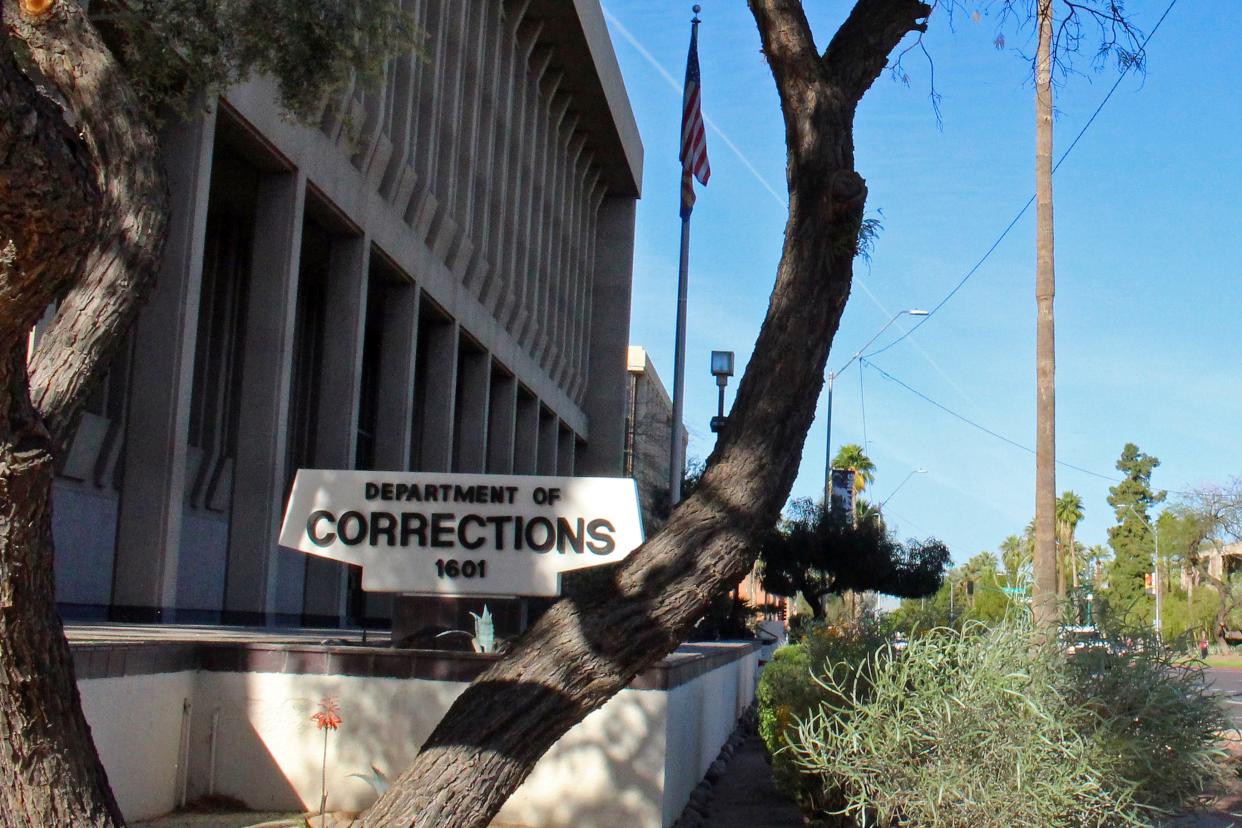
1131, 539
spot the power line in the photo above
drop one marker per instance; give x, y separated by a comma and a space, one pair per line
904, 520
862, 402
1004, 233
980, 427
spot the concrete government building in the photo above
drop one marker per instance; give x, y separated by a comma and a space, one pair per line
437, 278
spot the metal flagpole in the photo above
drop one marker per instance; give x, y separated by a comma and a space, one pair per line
694, 164
677, 450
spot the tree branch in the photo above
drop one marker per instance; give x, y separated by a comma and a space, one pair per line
788, 43
47, 197
126, 246
859, 51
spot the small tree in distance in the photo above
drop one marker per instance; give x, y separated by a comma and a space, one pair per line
818, 553
1069, 515
1131, 539
1211, 518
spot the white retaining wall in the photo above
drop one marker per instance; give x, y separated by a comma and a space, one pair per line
136, 722
634, 762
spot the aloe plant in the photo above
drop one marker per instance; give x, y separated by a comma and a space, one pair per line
376, 779
484, 637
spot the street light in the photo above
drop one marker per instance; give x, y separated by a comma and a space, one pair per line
722, 369
1155, 534
832, 377
899, 485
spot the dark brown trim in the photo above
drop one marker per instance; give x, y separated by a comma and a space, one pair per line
117, 660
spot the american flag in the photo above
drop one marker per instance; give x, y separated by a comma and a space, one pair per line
693, 156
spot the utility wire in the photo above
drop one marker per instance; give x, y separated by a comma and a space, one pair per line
862, 402
973, 424
1120, 77
905, 521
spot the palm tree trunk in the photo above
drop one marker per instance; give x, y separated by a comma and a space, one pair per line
1044, 592
1073, 559
1060, 571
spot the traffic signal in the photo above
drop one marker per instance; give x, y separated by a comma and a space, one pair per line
1149, 583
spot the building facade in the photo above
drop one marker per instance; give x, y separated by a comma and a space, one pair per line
1223, 561
435, 279
648, 435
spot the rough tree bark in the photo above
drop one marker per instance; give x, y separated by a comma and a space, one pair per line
613, 624
82, 215
49, 773
124, 253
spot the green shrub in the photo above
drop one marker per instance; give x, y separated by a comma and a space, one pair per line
976, 727
1154, 716
788, 693
784, 695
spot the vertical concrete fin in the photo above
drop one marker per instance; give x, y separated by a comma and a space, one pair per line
162, 379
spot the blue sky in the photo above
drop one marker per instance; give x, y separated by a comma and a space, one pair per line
1148, 288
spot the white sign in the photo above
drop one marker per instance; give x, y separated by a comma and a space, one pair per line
462, 534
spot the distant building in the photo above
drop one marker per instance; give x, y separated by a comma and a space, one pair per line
750, 590
436, 278
1225, 561
648, 435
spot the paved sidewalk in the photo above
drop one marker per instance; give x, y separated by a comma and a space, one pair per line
746, 797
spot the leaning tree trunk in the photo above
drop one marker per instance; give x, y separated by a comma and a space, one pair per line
614, 623
83, 219
1044, 594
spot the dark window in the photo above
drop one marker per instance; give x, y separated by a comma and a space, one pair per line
214, 403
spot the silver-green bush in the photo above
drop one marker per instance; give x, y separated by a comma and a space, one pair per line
978, 728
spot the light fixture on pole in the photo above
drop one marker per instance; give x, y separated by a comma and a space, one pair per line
832, 375
722, 369
899, 485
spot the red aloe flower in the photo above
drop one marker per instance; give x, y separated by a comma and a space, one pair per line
328, 717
